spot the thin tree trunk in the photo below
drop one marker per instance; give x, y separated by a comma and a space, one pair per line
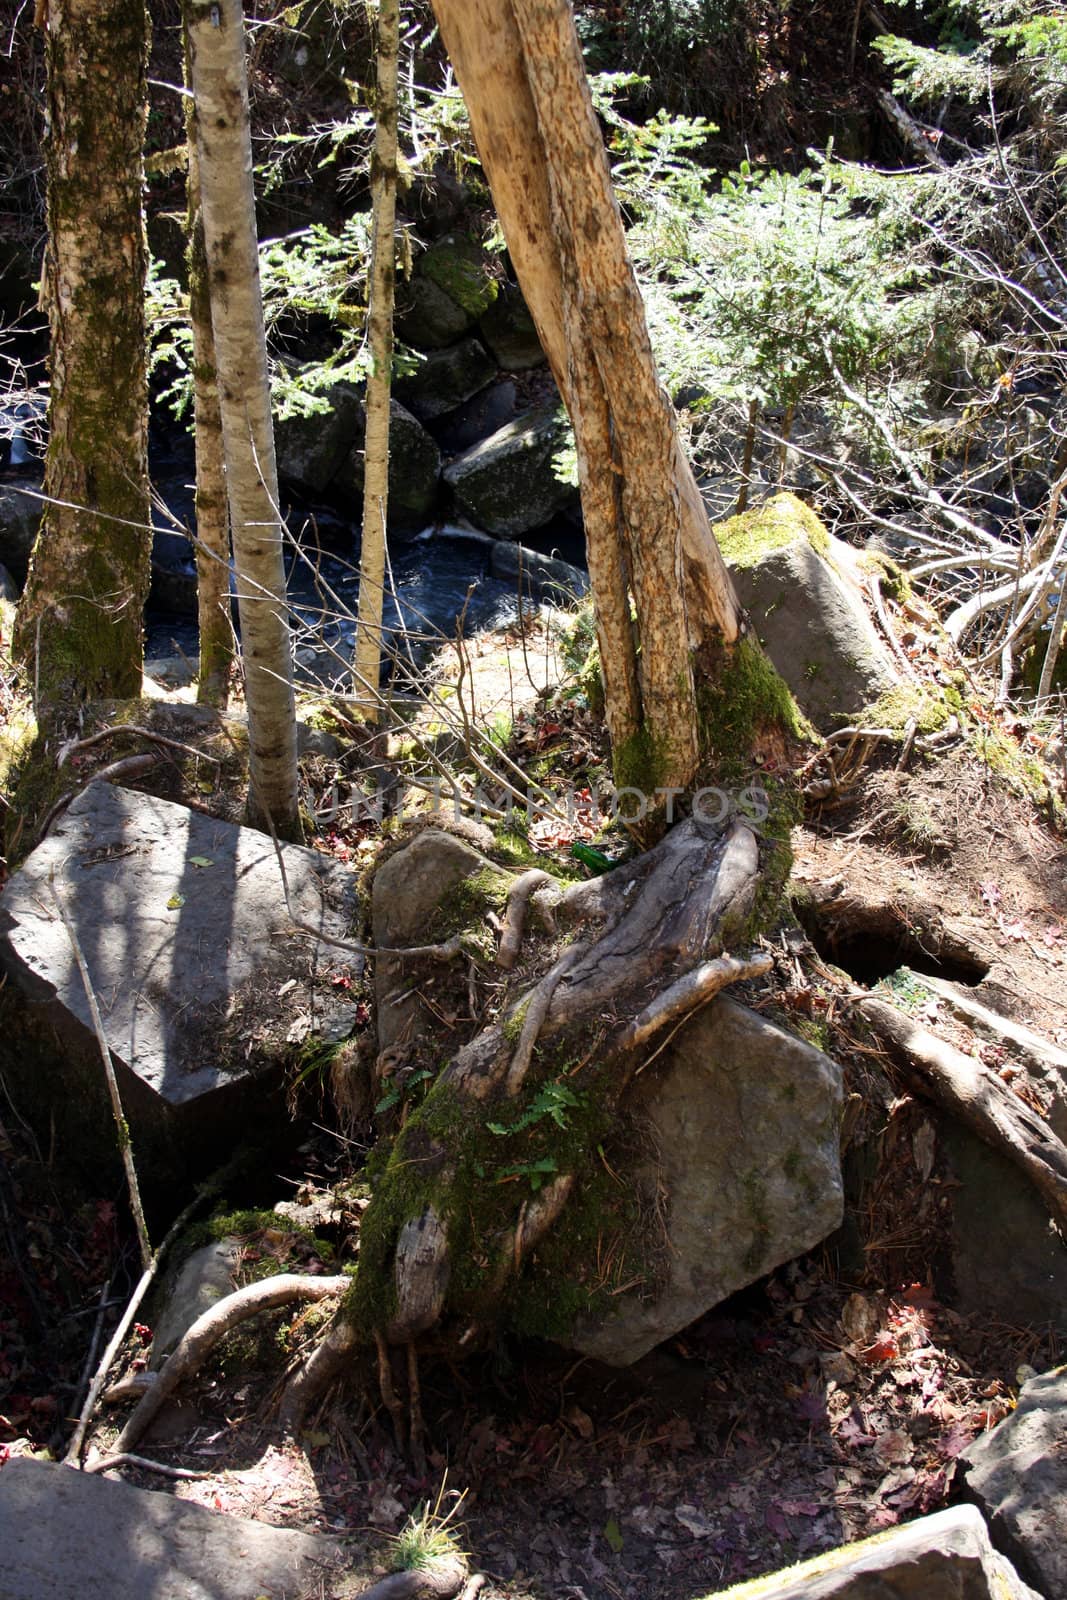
746, 459
212, 514
79, 628
216, 36
367, 669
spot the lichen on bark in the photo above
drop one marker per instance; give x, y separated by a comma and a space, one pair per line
79, 629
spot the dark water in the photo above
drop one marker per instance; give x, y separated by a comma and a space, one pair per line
435, 578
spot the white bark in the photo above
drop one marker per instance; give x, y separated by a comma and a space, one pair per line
215, 31
212, 515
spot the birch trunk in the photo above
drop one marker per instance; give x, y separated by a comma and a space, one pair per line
368, 661
79, 628
212, 515
215, 31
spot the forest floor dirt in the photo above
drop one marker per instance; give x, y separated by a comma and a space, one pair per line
824, 1403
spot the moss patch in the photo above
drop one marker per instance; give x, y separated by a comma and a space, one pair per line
929, 710
458, 267
743, 699
779, 522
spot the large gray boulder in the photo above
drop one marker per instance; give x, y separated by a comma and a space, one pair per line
947, 1556
1018, 1475
444, 379
452, 287
311, 449
20, 517
69, 1535
410, 899
510, 331
506, 483
542, 577
742, 1122
414, 471
205, 994
796, 583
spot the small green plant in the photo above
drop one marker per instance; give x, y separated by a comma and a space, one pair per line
430, 1537
537, 1172
402, 1091
552, 1100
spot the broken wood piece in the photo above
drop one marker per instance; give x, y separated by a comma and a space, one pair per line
979, 1098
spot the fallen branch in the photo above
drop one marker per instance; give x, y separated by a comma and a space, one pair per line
78, 745
121, 1128
144, 1283
126, 1459
979, 1098
199, 1340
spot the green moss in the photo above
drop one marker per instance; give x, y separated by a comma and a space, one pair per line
742, 700
459, 268
930, 710
464, 906
747, 538
892, 578
1022, 773
639, 762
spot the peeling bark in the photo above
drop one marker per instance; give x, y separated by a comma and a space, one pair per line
520, 68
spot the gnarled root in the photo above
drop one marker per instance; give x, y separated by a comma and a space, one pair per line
198, 1342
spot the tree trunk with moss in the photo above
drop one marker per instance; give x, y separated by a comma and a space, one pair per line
216, 38
521, 71
212, 514
368, 662
79, 630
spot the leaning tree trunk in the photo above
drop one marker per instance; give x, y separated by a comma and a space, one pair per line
79, 628
520, 68
650, 949
212, 513
216, 37
368, 662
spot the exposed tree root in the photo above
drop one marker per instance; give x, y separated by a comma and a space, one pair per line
205, 1333
978, 1098
330, 1360
515, 916
439, 1580
656, 957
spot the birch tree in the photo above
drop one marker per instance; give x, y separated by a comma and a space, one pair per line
212, 516
367, 669
79, 631
218, 74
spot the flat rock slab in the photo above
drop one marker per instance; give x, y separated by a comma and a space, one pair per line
68, 1535
204, 985
1018, 1475
947, 1556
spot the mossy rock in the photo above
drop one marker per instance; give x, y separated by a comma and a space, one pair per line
793, 578
451, 289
